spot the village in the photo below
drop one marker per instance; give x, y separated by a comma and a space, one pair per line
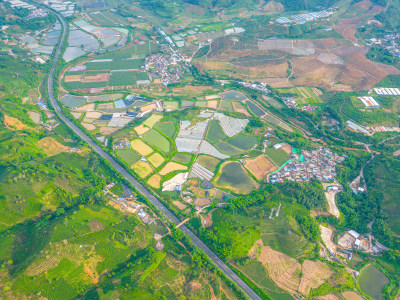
390, 42
317, 164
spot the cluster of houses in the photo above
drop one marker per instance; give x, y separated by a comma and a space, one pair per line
165, 66
317, 164
390, 42
262, 87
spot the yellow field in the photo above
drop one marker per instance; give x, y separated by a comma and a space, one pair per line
142, 168
141, 147
51, 146
156, 159
141, 129
155, 181
152, 120
13, 123
172, 166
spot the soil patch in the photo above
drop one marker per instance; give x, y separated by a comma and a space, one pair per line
259, 166
51, 146
13, 123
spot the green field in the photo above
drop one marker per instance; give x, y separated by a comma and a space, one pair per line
183, 158
157, 140
129, 156
126, 64
372, 281
255, 109
278, 156
233, 95
99, 65
226, 105
227, 149
108, 18
208, 162
215, 133
85, 85
122, 78
167, 128
244, 142
306, 94
233, 176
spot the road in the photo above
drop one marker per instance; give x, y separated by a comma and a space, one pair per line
139, 187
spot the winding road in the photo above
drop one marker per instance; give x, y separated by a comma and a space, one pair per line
139, 187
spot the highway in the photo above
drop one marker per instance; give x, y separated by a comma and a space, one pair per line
139, 187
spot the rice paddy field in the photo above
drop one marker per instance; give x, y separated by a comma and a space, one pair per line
255, 109
227, 149
168, 128
108, 18
372, 280
215, 133
234, 177
208, 162
279, 156
305, 94
156, 159
183, 158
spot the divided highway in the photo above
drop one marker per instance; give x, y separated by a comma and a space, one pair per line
139, 187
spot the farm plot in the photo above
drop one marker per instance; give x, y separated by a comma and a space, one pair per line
240, 108
73, 101
99, 65
279, 156
183, 158
156, 159
215, 133
189, 137
171, 167
127, 64
186, 104
108, 18
228, 149
226, 106
141, 129
142, 168
155, 181
233, 95
167, 128
157, 140
207, 148
244, 142
255, 109
234, 177
259, 166
120, 78
129, 156
208, 162
141, 147
198, 171
171, 105
150, 122
231, 126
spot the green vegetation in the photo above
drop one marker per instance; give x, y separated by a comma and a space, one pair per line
372, 281
122, 78
227, 148
157, 140
215, 133
244, 142
208, 162
125, 64
129, 156
183, 158
277, 155
168, 128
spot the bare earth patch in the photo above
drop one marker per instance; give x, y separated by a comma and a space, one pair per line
86, 107
350, 295
35, 116
76, 115
108, 130
259, 166
51, 146
212, 104
13, 123
88, 126
179, 205
172, 166
315, 273
93, 115
326, 236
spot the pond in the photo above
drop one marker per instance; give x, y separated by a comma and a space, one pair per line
72, 101
372, 281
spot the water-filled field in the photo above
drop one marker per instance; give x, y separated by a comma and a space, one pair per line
372, 281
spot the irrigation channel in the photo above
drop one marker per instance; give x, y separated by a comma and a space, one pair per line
138, 186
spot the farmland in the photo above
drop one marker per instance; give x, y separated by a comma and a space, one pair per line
141, 147
243, 142
305, 95
234, 177
157, 140
279, 156
208, 162
167, 128
215, 133
156, 159
183, 158
143, 169
128, 156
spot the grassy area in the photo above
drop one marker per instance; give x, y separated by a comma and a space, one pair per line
244, 142
129, 156
277, 155
255, 109
167, 128
126, 64
183, 158
157, 140
215, 133
209, 162
227, 148
122, 78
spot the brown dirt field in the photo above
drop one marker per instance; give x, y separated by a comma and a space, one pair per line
148, 107
51, 146
35, 116
93, 115
108, 130
76, 115
326, 236
155, 181
141, 148
86, 107
238, 107
283, 270
172, 166
97, 78
13, 123
105, 106
212, 104
179, 205
88, 120
88, 126
141, 129
255, 250
350, 295
315, 273
96, 225
202, 202
287, 148
328, 297
72, 78
259, 166
90, 266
